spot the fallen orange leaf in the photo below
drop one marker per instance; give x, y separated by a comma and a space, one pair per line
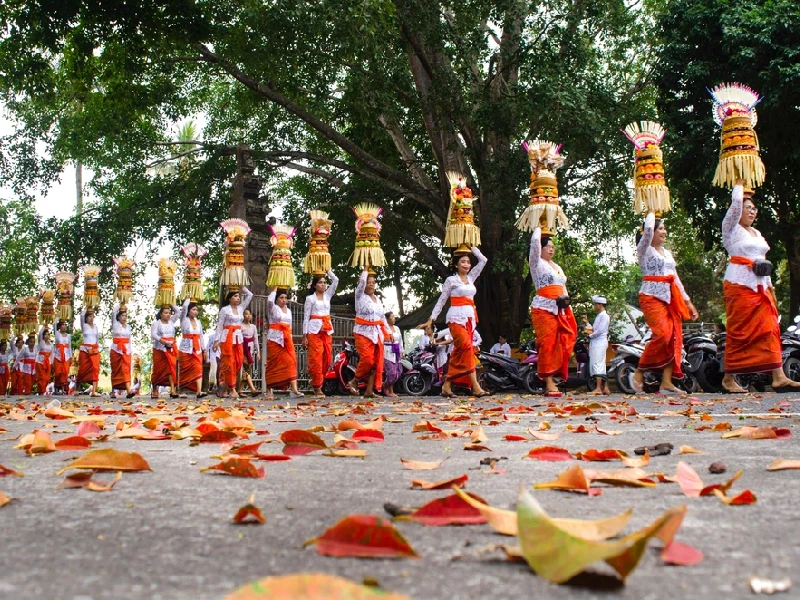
572, 480
365, 536
446, 484
636, 463
743, 498
249, 513
6, 471
416, 465
4, 499
690, 450
42, 443
450, 510
299, 442
308, 586
349, 424
58, 414
109, 459
85, 480
75, 442
599, 455
780, 464
238, 467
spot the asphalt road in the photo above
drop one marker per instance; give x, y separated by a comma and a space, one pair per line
167, 534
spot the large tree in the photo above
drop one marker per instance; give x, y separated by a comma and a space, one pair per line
365, 99
706, 42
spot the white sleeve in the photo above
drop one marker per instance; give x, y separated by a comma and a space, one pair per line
733, 215
331, 291
307, 311
83, 317
248, 297
647, 237
154, 332
220, 323
362, 283
446, 289
184, 310
114, 313
535, 252
476, 271
600, 326
176, 314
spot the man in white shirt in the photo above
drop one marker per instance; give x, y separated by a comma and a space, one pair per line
598, 345
501, 347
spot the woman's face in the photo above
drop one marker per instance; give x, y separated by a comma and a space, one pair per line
549, 251
429, 331
46, 337
463, 265
370, 287
321, 286
659, 235
123, 318
749, 213
62, 327
193, 312
89, 319
391, 319
236, 299
281, 301
165, 314
248, 316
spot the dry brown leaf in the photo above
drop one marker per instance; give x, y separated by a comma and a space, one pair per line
780, 464
690, 450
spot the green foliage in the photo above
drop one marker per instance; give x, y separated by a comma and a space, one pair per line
21, 243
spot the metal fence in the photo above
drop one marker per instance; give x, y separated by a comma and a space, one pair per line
342, 330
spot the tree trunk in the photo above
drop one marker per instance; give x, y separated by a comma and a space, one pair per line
398, 283
790, 235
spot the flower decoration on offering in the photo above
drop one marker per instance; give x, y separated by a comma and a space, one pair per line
281, 273
234, 276
650, 192
734, 109
124, 280
20, 316
318, 259
91, 294
6, 316
47, 307
64, 283
31, 314
368, 253
461, 232
137, 366
165, 294
544, 209
193, 276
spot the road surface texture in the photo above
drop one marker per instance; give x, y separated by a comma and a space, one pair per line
167, 533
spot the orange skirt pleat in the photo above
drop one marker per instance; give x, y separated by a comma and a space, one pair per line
370, 357
320, 354
88, 367
666, 344
163, 367
555, 341
120, 370
753, 340
281, 365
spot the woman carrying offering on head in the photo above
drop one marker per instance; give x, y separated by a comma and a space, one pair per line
230, 342
281, 356
89, 355
162, 332
62, 357
370, 330
318, 330
192, 349
121, 350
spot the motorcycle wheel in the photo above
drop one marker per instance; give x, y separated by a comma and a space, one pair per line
486, 384
416, 384
330, 387
688, 383
791, 367
532, 383
709, 377
591, 384
623, 375
343, 389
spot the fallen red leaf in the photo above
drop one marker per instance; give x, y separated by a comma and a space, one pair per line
89, 429
549, 453
299, 442
516, 438
572, 480
75, 442
238, 467
743, 498
599, 455
217, 436
364, 536
85, 480
368, 435
6, 471
676, 553
450, 510
207, 426
349, 424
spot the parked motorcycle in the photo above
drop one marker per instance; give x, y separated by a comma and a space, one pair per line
703, 362
418, 380
758, 381
342, 371
580, 377
501, 372
790, 344
626, 362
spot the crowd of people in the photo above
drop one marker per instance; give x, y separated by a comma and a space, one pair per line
44, 362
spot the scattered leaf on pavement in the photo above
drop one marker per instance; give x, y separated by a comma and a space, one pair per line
364, 536
446, 484
109, 459
310, 586
249, 513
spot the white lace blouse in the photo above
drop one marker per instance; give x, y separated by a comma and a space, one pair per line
159, 329
187, 344
370, 310
277, 315
228, 318
315, 306
544, 274
118, 330
453, 287
89, 332
65, 341
739, 242
652, 262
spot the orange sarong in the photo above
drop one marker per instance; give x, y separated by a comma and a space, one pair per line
370, 356
753, 340
231, 358
164, 362
88, 365
190, 364
25, 383
4, 376
61, 366
120, 370
281, 360
43, 375
666, 344
16, 382
555, 335
320, 351
461, 363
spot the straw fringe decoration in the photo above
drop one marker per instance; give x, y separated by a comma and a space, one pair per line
234, 276
165, 295
64, 284
318, 259
193, 276
461, 228
650, 192
367, 253
544, 209
281, 273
